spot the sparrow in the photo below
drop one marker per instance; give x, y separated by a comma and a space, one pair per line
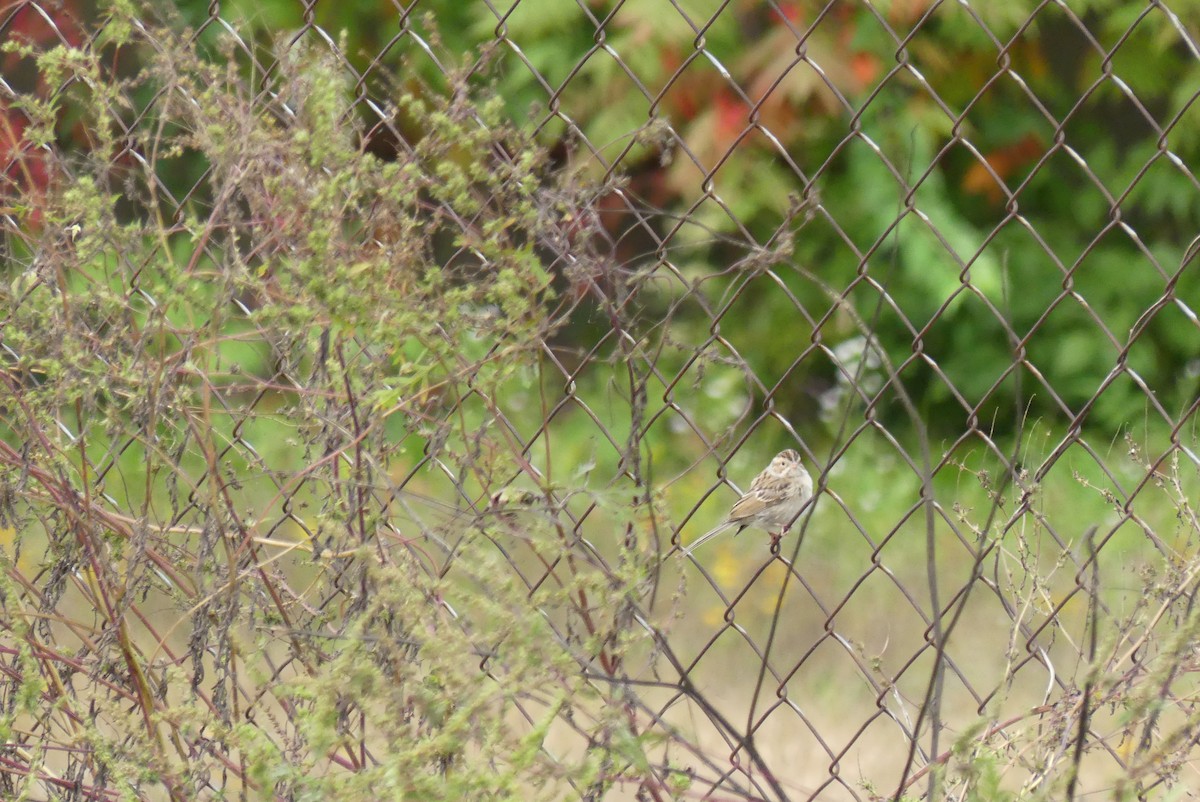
775, 498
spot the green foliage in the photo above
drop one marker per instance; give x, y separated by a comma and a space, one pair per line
1059, 123
218, 362
1067, 126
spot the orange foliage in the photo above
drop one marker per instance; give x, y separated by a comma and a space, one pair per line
1004, 162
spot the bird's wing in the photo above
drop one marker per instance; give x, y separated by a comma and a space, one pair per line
749, 505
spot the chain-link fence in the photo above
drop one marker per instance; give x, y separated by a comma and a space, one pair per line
368, 371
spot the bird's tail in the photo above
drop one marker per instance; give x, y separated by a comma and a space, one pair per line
707, 536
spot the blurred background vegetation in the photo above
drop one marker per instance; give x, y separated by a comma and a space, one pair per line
1047, 150
585, 266
1048, 153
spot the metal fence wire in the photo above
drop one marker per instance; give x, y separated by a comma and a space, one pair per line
367, 374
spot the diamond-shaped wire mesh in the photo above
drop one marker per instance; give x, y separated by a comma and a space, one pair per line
940, 250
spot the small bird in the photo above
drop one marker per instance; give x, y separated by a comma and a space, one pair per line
775, 498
